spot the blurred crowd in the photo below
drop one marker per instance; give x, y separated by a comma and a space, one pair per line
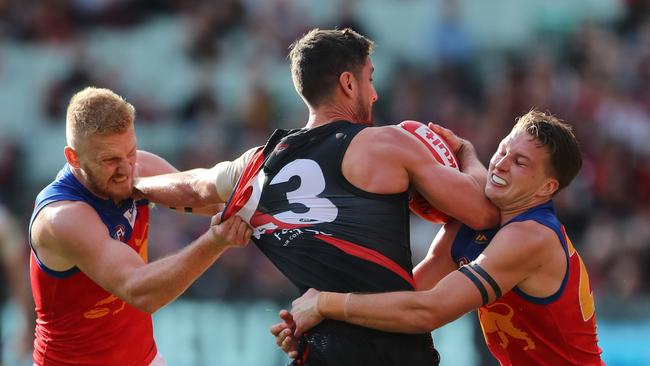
593, 74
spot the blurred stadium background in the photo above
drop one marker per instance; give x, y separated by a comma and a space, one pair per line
209, 79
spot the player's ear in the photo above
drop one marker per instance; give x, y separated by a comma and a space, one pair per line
549, 188
346, 82
71, 156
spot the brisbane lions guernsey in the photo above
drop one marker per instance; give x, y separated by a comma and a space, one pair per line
323, 232
520, 329
80, 323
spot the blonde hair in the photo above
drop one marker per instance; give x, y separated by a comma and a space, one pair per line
97, 111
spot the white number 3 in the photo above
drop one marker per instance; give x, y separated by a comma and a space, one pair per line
312, 183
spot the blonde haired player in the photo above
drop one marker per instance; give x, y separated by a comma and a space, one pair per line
93, 288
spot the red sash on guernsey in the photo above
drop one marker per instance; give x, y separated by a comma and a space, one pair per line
79, 323
561, 332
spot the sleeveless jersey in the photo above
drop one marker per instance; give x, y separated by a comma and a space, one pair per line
520, 329
80, 323
323, 232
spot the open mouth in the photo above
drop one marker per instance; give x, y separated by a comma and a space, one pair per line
498, 180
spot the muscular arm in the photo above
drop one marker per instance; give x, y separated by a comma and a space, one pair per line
465, 153
516, 253
73, 233
438, 263
149, 164
196, 187
458, 194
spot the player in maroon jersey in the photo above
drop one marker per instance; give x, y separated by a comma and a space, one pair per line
93, 289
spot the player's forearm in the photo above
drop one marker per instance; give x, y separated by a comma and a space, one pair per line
158, 283
482, 213
400, 312
430, 271
465, 201
470, 164
192, 188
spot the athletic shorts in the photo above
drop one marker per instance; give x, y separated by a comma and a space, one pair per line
334, 343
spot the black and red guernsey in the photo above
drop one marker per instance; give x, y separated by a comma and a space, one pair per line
322, 232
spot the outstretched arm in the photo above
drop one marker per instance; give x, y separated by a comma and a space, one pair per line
67, 234
513, 256
196, 187
437, 264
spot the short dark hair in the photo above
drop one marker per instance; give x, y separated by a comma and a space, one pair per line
558, 137
320, 56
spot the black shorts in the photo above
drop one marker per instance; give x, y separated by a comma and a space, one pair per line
334, 343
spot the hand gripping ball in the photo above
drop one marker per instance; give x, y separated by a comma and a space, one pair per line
443, 154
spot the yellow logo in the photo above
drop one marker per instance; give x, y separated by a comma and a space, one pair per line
481, 238
102, 308
493, 321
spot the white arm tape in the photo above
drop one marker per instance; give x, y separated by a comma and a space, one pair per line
228, 172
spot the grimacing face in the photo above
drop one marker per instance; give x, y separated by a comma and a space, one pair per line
108, 164
518, 173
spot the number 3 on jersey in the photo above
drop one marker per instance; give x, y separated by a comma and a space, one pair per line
312, 209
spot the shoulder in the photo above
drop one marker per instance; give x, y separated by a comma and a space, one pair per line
387, 134
148, 164
527, 237
389, 141
63, 221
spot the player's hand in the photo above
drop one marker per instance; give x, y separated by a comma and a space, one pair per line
283, 333
305, 312
232, 232
454, 141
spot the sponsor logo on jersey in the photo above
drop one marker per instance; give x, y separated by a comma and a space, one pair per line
481, 238
287, 235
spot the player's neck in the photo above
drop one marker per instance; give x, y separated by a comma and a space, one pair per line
328, 113
509, 213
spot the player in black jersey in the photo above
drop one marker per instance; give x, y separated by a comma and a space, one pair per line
328, 202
